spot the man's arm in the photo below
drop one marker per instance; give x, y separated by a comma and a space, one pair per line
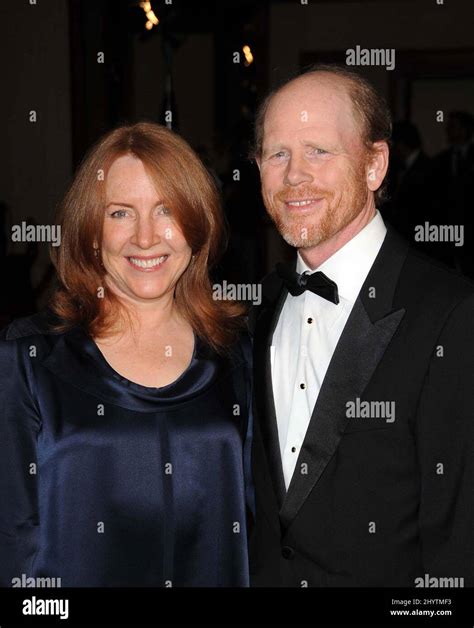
445, 443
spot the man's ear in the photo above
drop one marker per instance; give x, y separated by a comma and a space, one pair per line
377, 165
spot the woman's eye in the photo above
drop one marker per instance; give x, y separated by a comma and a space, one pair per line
119, 213
164, 210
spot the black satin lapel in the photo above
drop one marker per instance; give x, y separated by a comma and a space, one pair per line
357, 354
265, 327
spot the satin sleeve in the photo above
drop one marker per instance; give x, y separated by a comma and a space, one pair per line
246, 348
19, 428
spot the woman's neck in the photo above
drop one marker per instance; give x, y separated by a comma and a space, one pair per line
147, 320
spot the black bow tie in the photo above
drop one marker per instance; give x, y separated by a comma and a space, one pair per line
316, 282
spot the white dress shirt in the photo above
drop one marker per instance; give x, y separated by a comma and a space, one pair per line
306, 336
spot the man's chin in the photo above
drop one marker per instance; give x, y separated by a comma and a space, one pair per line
300, 242
301, 233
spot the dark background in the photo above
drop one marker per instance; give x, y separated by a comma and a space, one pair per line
50, 51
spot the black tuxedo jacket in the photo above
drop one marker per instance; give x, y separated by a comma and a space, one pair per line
372, 502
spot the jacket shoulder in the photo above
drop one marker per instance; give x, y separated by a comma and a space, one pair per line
435, 278
41, 323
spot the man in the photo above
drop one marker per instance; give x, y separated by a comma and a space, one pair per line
363, 452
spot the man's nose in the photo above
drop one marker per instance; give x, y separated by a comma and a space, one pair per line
146, 232
297, 171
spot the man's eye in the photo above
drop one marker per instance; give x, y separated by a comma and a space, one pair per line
119, 213
319, 151
279, 155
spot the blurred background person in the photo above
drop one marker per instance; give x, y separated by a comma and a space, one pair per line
411, 172
454, 185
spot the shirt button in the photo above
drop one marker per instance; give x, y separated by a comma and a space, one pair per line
293, 449
310, 320
302, 386
287, 552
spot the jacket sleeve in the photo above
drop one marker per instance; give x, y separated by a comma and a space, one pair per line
19, 427
445, 444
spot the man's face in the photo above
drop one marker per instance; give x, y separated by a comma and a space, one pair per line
313, 166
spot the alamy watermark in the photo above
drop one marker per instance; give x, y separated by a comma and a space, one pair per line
41, 583
237, 292
371, 410
440, 233
433, 582
38, 606
37, 233
371, 56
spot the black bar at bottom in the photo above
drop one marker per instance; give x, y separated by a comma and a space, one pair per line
74, 606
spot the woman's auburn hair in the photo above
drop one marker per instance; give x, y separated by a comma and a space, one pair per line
188, 189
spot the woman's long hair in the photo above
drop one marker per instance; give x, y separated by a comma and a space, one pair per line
188, 189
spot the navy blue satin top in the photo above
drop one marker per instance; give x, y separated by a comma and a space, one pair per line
105, 482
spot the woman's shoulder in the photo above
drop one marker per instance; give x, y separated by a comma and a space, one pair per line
42, 323
26, 337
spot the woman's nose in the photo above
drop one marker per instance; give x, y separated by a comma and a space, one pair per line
146, 233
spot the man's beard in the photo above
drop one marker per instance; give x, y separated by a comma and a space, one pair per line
336, 211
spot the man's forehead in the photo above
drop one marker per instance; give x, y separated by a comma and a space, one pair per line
311, 96
310, 134
304, 112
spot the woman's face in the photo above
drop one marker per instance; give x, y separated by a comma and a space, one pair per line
143, 249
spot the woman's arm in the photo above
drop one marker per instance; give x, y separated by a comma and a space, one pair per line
246, 348
19, 426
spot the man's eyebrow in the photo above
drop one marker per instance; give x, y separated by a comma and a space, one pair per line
273, 147
330, 146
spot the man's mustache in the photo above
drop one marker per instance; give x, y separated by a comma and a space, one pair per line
301, 194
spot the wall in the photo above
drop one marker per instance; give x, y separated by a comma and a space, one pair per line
36, 157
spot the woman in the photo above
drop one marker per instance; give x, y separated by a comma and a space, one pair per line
125, 407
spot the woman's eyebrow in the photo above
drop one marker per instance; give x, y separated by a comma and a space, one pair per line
160, 202
121, 204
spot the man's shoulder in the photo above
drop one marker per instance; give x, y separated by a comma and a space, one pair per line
433, 292
415, 275
430, 276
